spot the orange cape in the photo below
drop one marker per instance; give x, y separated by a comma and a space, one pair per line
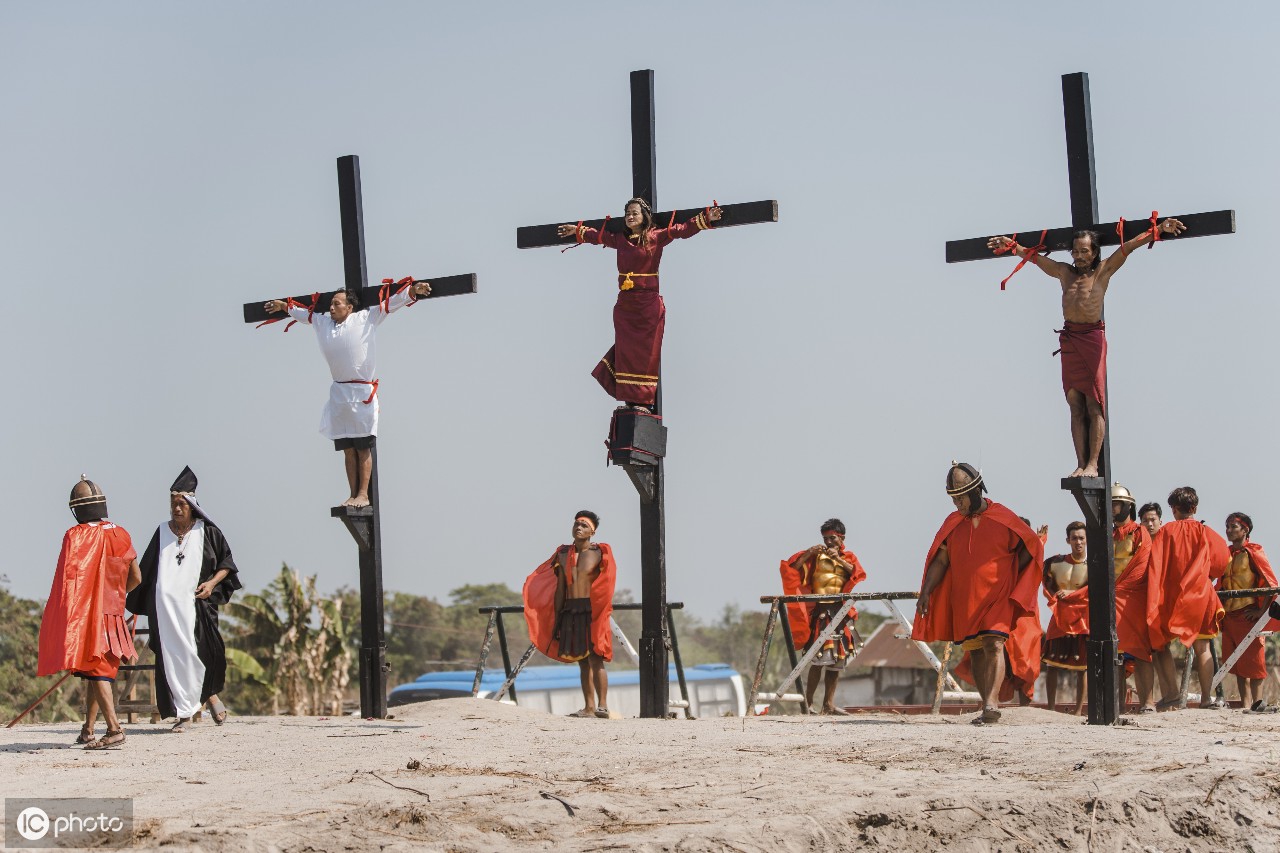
1131, 596
83, 625
1069, 614
540, 604
797, 582
1181, 602
1266, 578
942, 623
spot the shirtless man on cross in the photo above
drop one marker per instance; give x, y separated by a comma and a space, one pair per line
1083, 337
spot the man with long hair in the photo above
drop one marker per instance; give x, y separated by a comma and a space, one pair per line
1083, 337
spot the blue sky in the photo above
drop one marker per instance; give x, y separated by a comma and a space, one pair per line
168, 162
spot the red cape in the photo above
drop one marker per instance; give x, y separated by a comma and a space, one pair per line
797, 582
1023, 645
1266, 578
1131, 597
83, 622
1069, 614
540, 604
1182, 604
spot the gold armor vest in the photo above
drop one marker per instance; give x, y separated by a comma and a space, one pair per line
829, 576
1124, 548
1240, 575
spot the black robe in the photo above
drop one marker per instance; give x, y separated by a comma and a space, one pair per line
209, 645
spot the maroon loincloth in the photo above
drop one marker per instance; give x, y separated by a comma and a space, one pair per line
1084, 359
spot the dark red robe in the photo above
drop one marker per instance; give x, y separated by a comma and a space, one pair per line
540, 603
629, 370
983, 589
1186, 557
1084, 359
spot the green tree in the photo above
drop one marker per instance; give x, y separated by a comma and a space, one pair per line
19, 650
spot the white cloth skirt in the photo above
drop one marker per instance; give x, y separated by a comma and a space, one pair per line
176, 614
347, 415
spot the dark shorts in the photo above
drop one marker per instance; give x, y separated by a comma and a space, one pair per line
363, 442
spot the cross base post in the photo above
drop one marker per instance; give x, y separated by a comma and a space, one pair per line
1093, 496
364, 525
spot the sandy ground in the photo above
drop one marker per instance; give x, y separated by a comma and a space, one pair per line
461, 774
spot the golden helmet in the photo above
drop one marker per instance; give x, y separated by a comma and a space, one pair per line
1120, 493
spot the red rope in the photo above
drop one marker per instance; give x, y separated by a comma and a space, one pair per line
1032, 252
1120, 234
577, 236
290, 302
600, 233
1155, 231
385, 294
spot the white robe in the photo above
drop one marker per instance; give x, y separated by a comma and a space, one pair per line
176, 615
350, 349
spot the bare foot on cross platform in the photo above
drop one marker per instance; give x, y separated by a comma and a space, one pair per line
358, 502
1090, 471
1079, 472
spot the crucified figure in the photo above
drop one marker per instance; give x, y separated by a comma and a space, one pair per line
1083, 336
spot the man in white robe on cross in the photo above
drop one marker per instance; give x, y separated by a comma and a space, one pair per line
348, 338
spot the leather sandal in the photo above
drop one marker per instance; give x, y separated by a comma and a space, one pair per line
108, 741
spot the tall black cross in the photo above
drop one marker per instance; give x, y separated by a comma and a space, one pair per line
364, 523
640, 442
1093, 494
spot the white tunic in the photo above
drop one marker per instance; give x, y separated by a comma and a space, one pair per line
176, 615
350, 349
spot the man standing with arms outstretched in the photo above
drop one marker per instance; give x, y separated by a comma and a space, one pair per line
348, 340
1083, 336
568, 605
981, 581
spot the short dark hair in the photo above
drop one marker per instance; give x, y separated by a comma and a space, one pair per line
588, 514
1074, 526
353, 296
1243, 519
1094, 240
832, 524
1151, 507
1184, 499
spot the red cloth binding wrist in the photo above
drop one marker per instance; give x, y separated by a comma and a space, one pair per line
1032, 252
1120, 234
1155, 231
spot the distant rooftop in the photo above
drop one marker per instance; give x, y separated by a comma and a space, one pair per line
884, 649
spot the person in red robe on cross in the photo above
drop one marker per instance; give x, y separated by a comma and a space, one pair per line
629, 370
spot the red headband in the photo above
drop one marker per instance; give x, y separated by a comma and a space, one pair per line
831, 530
587, 520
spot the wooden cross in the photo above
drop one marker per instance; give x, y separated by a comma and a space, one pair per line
364, 523
643, 457
1093, 494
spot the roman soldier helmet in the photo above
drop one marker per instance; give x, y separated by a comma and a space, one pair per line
87, 501
1124, 496
974, 488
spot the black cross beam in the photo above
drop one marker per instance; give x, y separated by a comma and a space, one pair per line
1093, 494
644, 467
364, 523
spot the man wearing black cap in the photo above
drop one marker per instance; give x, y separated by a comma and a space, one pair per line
187, 573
